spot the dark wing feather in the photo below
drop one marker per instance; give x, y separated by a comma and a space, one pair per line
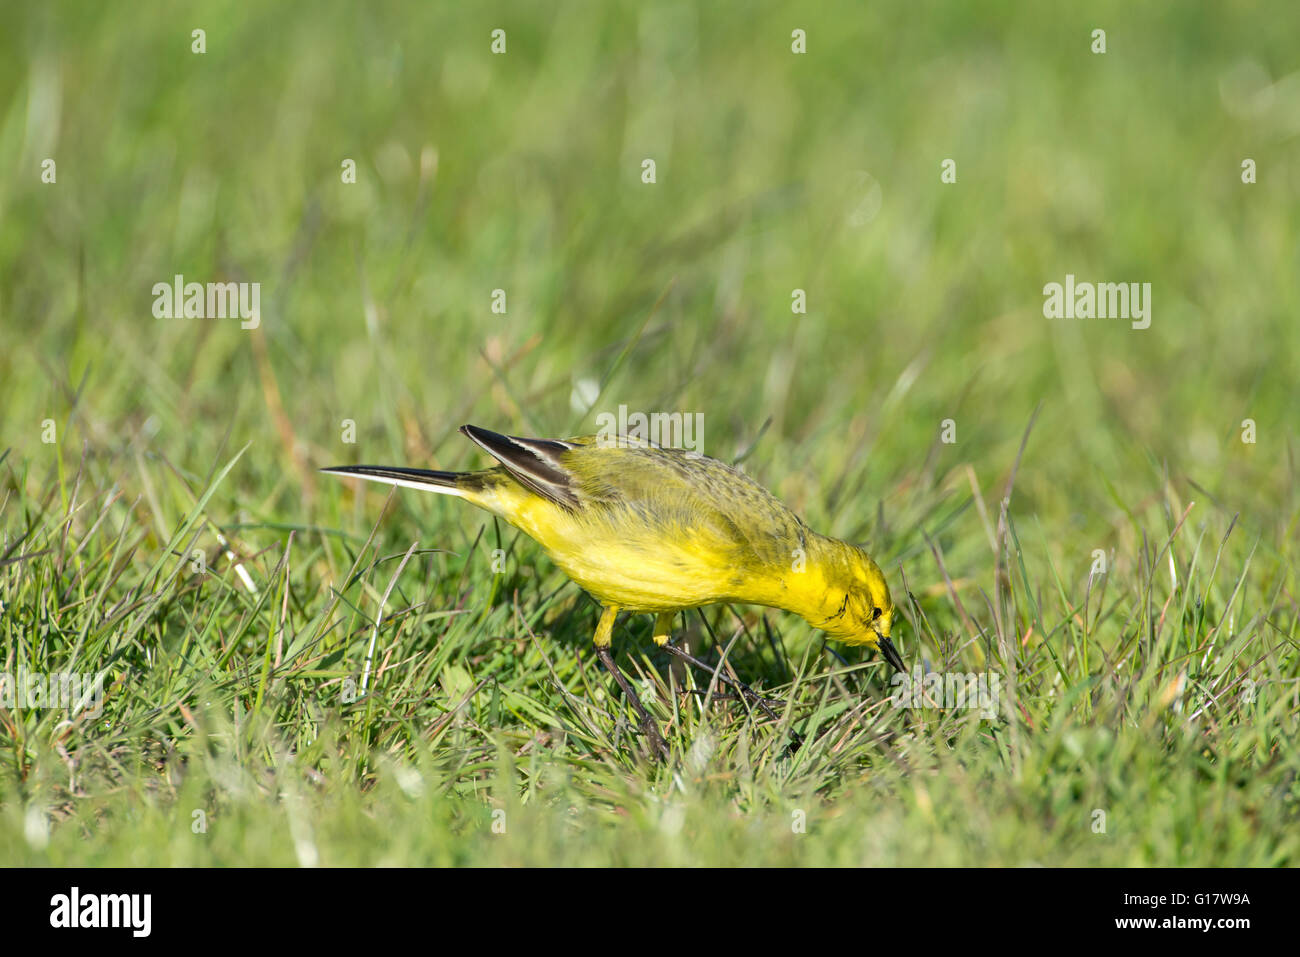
534, 463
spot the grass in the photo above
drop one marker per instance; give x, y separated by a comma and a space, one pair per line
1099, 537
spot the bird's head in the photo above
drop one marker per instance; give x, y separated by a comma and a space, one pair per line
855, 606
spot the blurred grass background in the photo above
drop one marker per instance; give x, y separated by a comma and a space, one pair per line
775, 172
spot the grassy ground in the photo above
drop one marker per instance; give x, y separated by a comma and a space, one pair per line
1132, 585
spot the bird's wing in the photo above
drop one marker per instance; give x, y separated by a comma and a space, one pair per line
663, 492
690, 496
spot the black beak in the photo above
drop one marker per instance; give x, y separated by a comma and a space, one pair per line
891, 654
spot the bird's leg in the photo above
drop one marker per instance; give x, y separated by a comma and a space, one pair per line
662, 636
796, 739
664, 627
604, 636
749, 693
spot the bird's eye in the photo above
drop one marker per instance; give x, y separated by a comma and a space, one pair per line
875, 613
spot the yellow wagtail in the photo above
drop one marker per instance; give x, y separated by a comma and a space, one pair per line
651, 529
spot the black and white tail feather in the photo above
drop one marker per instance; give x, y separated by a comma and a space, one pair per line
534, 463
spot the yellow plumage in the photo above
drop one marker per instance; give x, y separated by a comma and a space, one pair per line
650, 529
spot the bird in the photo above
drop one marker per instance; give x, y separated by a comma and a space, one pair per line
648, 528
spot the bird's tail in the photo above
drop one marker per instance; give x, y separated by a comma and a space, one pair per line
447, 483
